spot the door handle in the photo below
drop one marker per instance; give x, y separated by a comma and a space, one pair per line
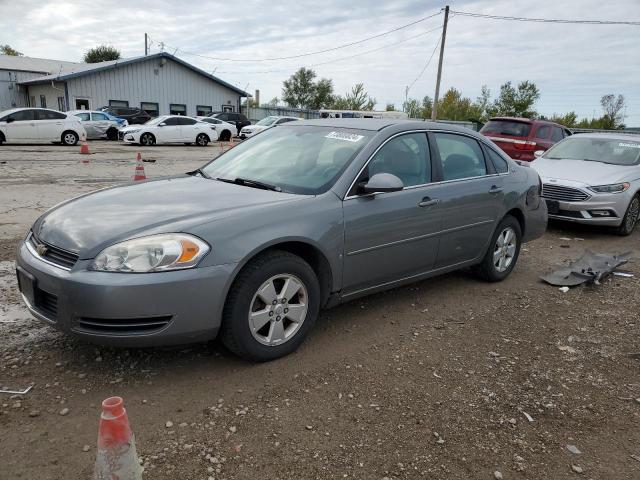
495, 190
428, 202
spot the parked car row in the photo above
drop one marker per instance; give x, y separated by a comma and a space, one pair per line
40, 124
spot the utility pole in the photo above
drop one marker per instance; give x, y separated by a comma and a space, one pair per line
434, 110
406, 98
146, 45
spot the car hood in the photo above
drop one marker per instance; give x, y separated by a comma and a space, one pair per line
90, 223
586, 172
256, 128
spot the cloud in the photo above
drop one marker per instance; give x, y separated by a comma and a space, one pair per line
574, 65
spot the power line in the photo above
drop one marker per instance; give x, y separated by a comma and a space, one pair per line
546, 20
425, 65
317, 52
336, 59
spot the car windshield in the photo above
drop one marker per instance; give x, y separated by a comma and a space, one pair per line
606, 150
507, 127
267, 121
156, 121
305, 159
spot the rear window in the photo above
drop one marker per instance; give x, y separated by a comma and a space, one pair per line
507, 127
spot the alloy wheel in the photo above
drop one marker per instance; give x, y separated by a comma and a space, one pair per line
504, 249
278, 309
70, 139
632, 215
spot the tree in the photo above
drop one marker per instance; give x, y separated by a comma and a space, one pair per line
301, 91
518, 102
102, 53
416, 109
453, 106
356, 99
482, 104
569, 120
271, 103
390, 107
613, 110
7, 50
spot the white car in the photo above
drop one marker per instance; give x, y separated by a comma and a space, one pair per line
169, 129
99, 124
262, 125
222, 128
20, 125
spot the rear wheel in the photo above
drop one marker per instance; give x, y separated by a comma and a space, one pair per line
202, 140
225, 136
1, 138
630, 217
503, 252
112, 134
69, 138
147, 139
271, 307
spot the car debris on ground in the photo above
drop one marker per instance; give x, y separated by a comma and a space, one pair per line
589, 268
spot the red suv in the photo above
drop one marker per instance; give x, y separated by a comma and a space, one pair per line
520, 137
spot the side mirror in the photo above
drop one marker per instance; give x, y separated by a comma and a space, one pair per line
382, 183
162, 124
538, 153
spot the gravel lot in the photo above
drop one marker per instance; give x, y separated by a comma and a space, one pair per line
451, 378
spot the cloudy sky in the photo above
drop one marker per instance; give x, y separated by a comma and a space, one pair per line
573, 65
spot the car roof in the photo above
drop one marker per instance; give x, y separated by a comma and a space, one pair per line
526, 120
635, 137
12, 110
377, 124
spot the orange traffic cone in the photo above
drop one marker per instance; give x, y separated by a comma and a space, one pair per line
139, 172
117, 457
84, 148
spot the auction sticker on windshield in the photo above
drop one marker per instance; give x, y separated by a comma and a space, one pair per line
630, 145
347, 137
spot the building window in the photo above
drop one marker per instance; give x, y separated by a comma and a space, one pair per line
204, 110
43, 101
32, 102
118, 103
227, 108
151, 108
177, 109
61, 104
82, 104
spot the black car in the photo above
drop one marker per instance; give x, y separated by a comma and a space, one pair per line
237, 119
130, 114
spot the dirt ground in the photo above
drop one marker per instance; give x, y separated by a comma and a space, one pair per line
451, 378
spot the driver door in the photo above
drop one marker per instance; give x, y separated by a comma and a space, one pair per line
395, 235
171, 131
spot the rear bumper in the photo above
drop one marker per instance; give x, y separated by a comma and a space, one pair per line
132, 310
536, 223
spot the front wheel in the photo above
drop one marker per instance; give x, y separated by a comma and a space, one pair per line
202, 140
112, 134
271, 307
630, 217
503, 252
69, 138
147, 140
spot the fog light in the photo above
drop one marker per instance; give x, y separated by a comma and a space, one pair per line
600, 213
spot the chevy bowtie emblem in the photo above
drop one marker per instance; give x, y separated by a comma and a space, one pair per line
41, 249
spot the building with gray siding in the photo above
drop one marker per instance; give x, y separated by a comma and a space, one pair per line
160, 83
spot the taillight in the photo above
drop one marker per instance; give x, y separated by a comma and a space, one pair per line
526, 145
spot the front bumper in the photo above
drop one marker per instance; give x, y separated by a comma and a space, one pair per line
122, 309
585, 212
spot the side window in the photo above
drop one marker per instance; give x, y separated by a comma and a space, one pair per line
543, 132
99, 117
407, 157
499, 163
172, 121
461, 156
49, 115
84, 117
285, 120
22, 116
224, 117
556, 134
187, 121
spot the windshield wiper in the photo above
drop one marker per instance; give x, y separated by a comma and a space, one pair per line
199, 171
250, 183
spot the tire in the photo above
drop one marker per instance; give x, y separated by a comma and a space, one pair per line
147, 139
275, 332
630, 217
225, 136
69, 138
501, 259
202, 140
112, 134
1, 138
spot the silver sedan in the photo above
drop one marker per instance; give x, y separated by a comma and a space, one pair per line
593, 179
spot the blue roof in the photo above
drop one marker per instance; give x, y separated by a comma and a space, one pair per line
82, 69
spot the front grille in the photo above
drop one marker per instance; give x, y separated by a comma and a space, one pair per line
55, 255
47, 303
122, 326
562, 193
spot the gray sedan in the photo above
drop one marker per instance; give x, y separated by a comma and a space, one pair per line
593, 179
251, 246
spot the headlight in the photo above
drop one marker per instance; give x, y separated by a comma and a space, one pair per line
155, 253
614, 188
